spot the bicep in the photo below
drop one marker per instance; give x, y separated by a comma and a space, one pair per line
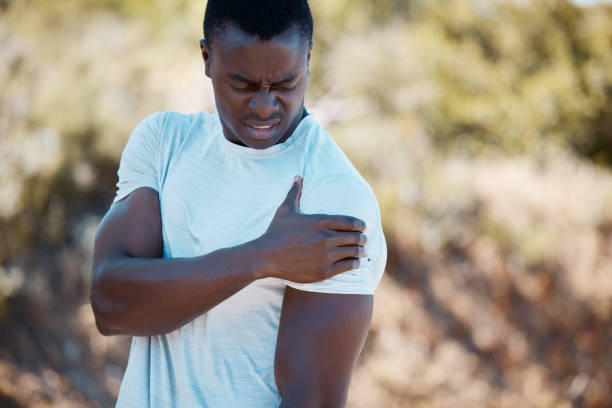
320, 338
131, 227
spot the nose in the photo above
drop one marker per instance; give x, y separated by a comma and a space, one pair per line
263, 103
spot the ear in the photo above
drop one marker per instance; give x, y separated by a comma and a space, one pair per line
206, 56
308, 56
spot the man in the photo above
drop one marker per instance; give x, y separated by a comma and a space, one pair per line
242, 285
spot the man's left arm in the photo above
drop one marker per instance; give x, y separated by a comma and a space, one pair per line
323, 325
319, 341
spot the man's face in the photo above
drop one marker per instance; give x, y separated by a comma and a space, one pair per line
259, 85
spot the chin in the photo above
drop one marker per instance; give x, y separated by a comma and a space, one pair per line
259, 144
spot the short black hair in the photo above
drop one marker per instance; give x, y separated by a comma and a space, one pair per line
264, 19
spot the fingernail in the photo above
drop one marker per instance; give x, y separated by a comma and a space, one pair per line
295, 179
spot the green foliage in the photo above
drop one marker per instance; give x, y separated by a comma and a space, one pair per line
509, 77
517, 77
146, 9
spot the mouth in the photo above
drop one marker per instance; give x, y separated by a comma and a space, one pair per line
261, 130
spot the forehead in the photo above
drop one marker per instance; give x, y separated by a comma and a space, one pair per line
236, 51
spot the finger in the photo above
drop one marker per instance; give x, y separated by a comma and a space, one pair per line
344, 265
341, 222
295, 193
348, 251
340, 238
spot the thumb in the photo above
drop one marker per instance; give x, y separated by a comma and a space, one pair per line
293, 196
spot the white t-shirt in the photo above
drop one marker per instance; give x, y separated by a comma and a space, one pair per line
216, 194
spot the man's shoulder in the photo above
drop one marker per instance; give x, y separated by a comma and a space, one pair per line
328, 163
179, 120
331, 176
172, 128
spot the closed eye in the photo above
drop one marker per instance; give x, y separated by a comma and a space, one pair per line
284, 88
243, 86
241, 83
248, 87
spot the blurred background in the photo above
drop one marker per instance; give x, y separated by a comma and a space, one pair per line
484, 127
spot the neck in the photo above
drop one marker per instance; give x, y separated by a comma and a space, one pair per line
297, 121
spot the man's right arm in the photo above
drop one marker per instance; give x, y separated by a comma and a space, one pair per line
136, 292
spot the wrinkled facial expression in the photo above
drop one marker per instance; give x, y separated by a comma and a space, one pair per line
259, 85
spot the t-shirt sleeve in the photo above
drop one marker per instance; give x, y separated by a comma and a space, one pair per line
140, 158
346, 195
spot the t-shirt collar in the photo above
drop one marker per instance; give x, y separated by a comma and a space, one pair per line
246, 151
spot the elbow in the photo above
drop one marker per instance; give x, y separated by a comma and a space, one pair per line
101, 318
101, 315
103, 330
101, 306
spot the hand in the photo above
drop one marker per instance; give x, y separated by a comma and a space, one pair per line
307, 248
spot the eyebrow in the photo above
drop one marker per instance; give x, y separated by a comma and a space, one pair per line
238, 77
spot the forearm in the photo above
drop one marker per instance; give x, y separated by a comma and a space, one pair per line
145, 297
